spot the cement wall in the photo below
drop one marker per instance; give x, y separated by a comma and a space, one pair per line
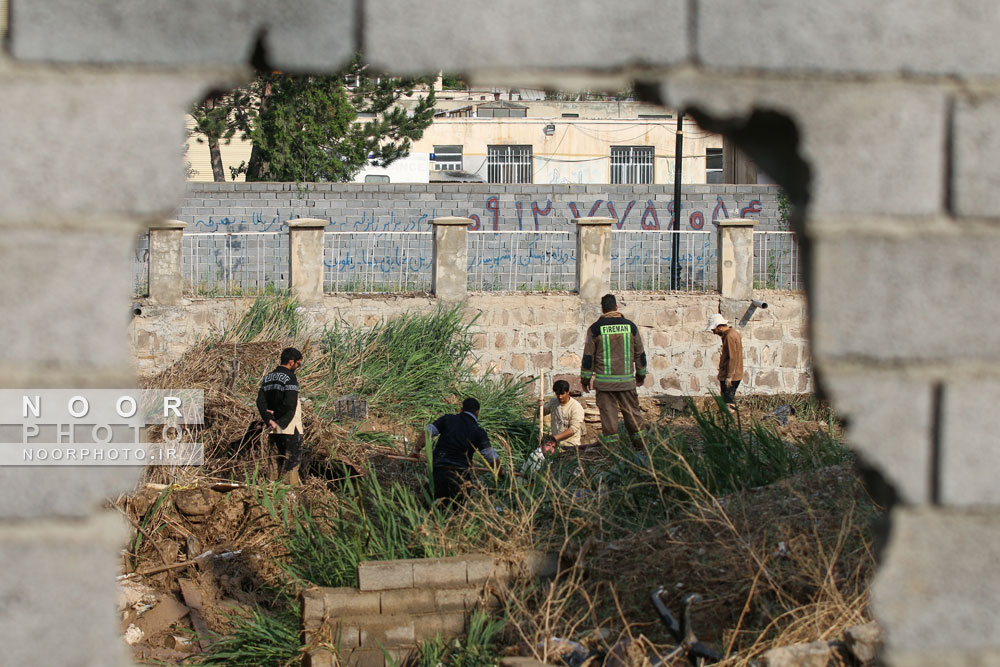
350, 207
883, 117
526, 333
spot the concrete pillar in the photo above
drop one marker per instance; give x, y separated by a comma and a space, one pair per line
165, 279
450, 281
593, 258
735, 245
305, 242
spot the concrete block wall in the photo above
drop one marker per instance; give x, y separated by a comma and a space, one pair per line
523, 334
402, 602
405, 207
883, 123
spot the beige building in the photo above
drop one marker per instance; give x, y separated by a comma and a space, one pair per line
540, 141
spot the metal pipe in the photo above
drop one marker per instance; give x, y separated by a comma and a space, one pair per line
675, 277
758, 304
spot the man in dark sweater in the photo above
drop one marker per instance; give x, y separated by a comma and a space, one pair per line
279, 406
459, 438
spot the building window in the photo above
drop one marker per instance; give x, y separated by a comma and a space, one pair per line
447, 158
631, 164
509, 164
376, 178
571, 115
713, 165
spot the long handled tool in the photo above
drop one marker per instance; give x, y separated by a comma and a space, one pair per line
541, 407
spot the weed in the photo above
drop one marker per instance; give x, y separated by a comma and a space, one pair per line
258, 639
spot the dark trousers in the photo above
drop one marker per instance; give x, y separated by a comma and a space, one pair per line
610, 402
289, 453
729, 391
448, 482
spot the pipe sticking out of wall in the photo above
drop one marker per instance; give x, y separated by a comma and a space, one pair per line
756, 303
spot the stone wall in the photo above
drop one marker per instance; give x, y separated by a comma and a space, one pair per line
526, 333
220, 207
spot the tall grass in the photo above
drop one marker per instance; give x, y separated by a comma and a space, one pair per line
258, 639
478, 648
271, 317
418, 366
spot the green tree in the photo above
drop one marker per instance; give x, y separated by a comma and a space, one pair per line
212, 124
307, 128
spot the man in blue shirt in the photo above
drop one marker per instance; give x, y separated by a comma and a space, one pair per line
459, 438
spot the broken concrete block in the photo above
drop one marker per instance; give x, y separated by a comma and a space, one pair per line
815, 654
864, 641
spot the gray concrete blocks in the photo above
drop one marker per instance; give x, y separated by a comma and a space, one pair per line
384, 575
937, 585
932, 285
969, 443
521, 33
975, 175
846, 132
889, 424
313, 35
893, 36
58, 588
79, 129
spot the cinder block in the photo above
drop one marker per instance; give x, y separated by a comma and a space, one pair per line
351, 602
409, 600
975, 175
449, 571
81, 122
483, 568
937, 281
365, 657
319, 658
969, 443
313, 608
935, 590
456, 599
74, 563
889, 424
445, 625
897, 130
305, 34
385, 575
613, 37
388, 630
850, 36
345, 633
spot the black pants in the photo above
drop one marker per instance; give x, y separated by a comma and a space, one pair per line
448, 483
729, 391
289, 451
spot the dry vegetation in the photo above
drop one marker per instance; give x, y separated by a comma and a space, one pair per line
768, 523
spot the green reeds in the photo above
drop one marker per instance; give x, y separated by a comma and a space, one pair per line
271, 317
258, 639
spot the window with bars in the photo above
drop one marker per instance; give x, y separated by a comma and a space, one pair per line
509, 164
447, 158
631, 165
713, 165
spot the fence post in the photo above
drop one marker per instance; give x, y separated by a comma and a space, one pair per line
305, 265
450, 281
735, 265
593, 258
166, 284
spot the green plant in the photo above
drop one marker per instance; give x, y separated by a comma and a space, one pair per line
478, 648
271, 317
258, 639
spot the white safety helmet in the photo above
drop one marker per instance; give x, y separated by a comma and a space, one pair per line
714, 320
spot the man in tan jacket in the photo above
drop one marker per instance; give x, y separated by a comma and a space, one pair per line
279, 406
731, 360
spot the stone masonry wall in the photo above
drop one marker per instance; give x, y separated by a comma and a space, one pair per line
402, 207
524, 334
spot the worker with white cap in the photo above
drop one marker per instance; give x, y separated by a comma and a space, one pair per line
731, 361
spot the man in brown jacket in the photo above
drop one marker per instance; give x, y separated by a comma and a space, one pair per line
731, 360
614, 359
